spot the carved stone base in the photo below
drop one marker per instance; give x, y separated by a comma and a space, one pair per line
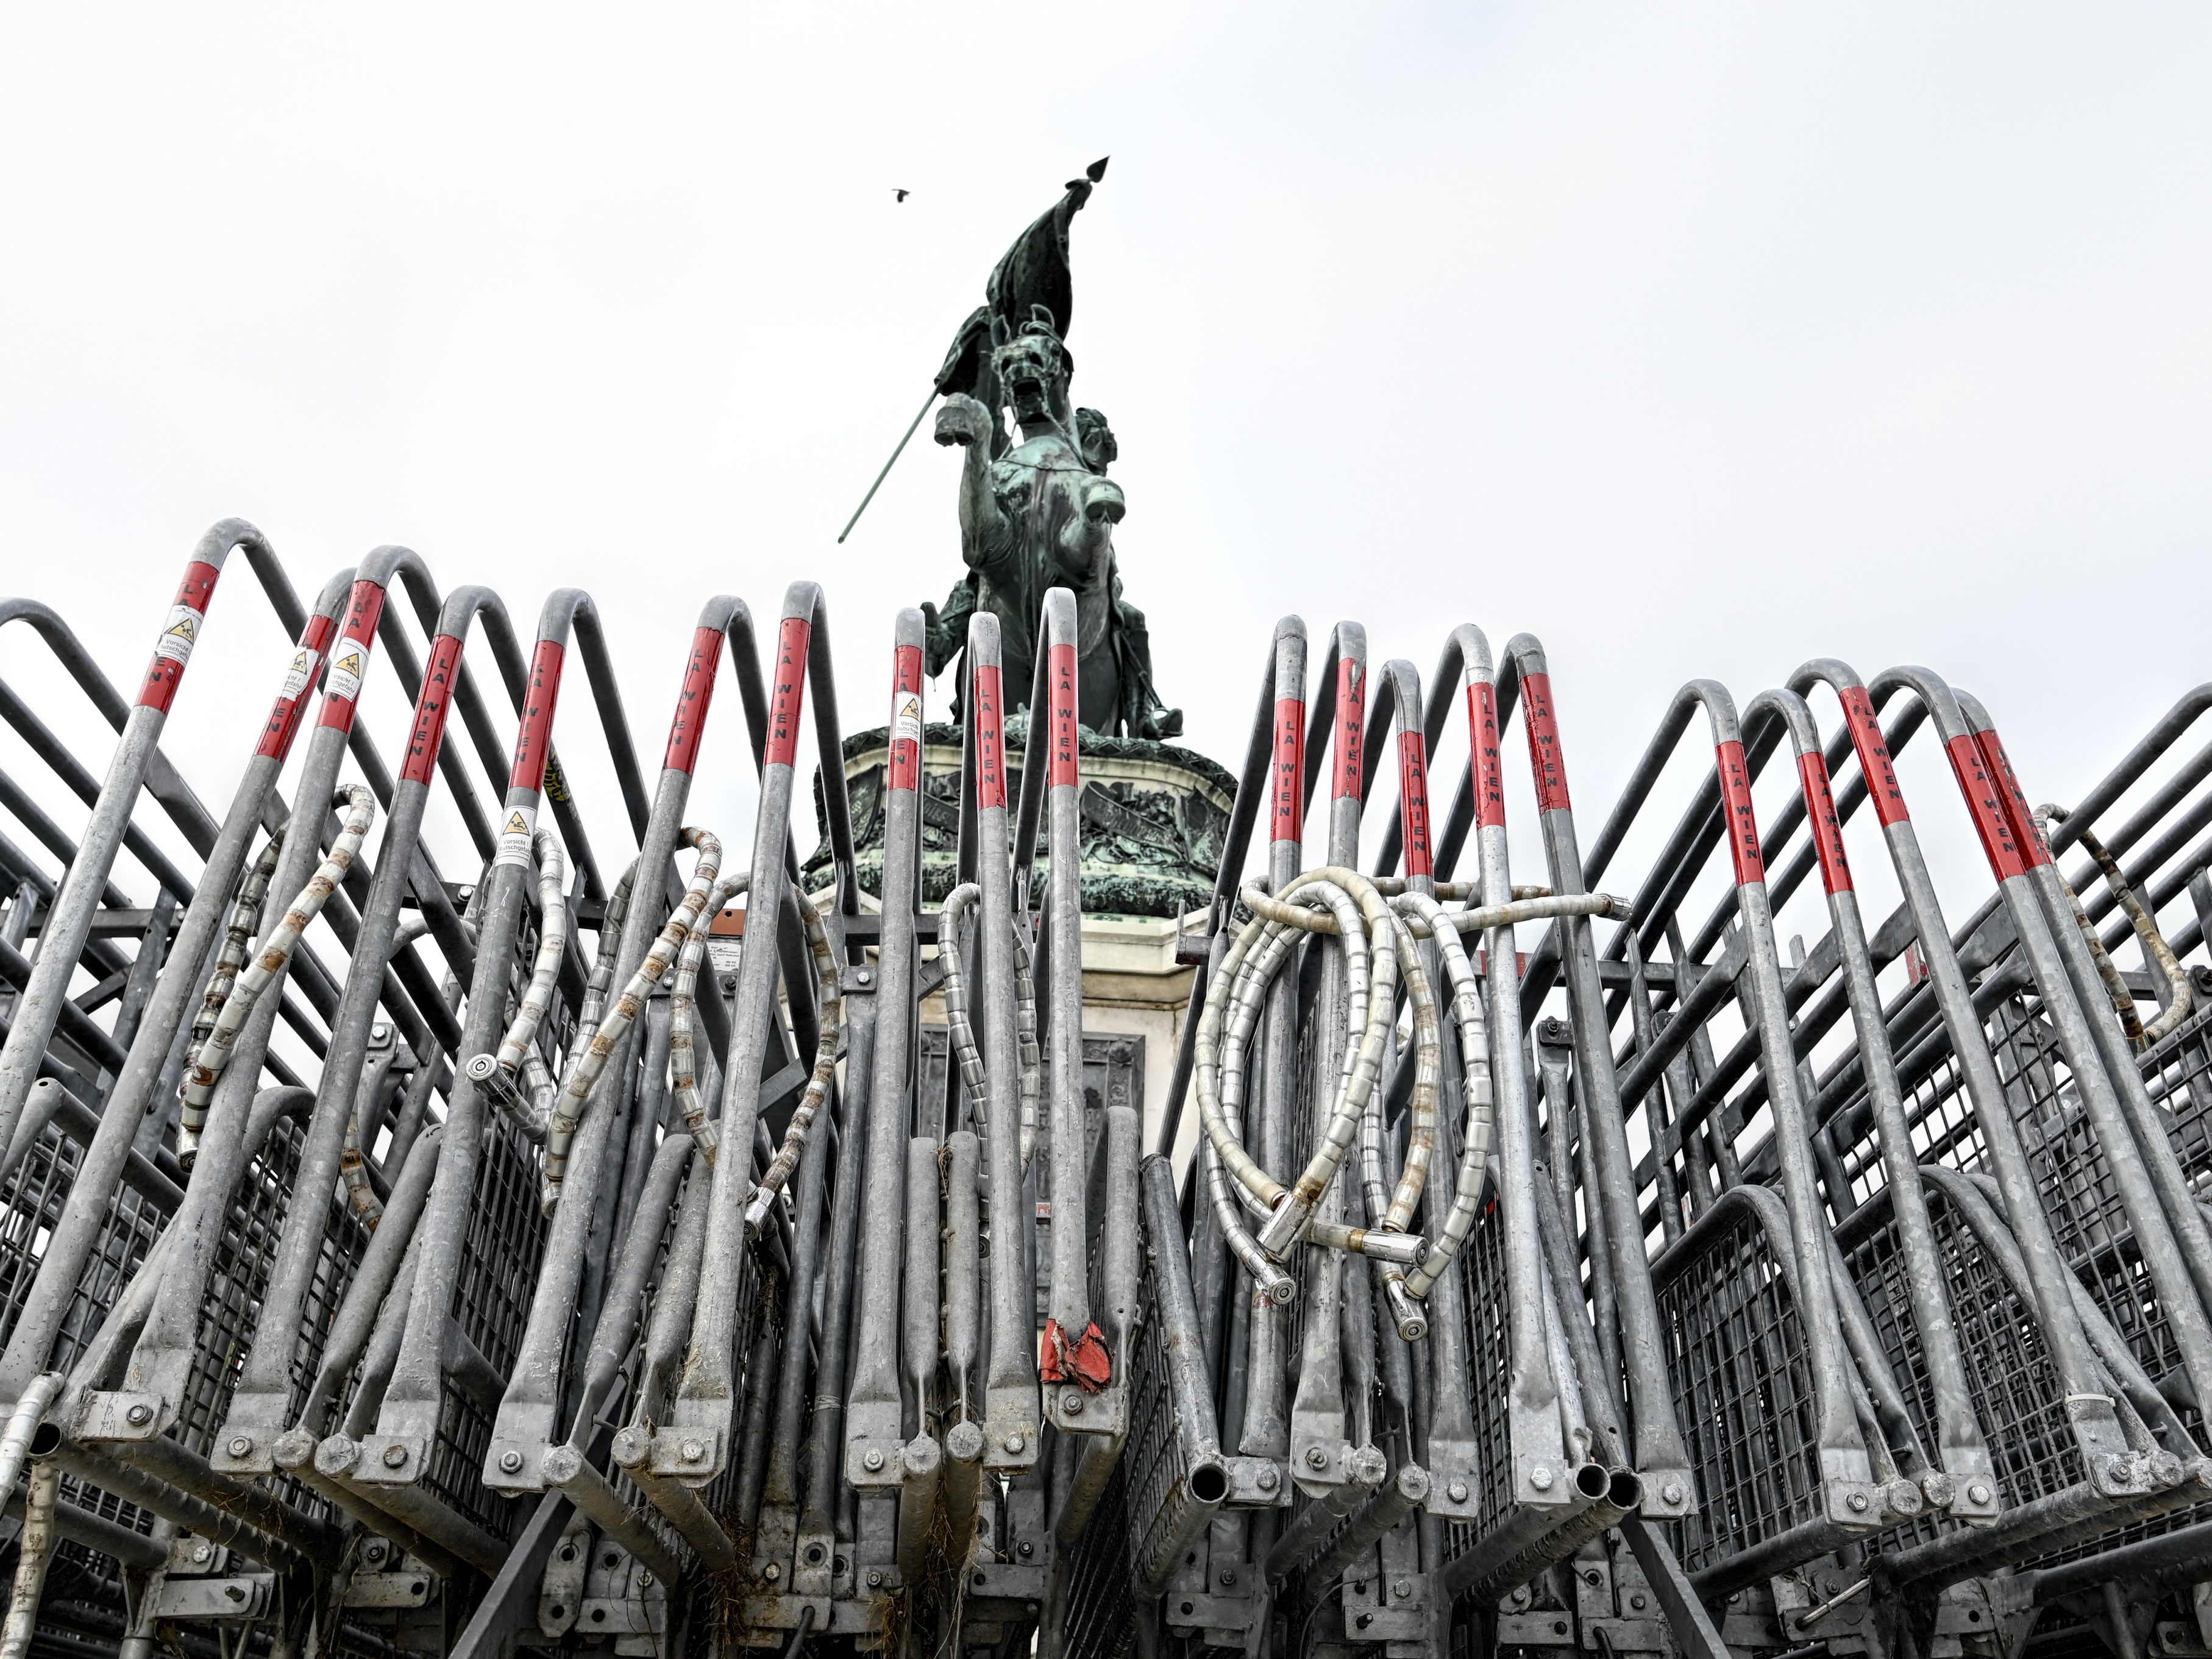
1154, 818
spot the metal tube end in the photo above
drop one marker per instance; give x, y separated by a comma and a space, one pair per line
1409, 1315
963, 1443
1402, 1249
1284, 1224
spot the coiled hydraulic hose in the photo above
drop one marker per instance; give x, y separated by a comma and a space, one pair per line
1479, 1133
1346, 903
237, 941
969, 1055
515, 1077
2160, 954
576, 1089
1353, 908
683, 1057
352, 1160
601, 979
552, 944
829, 999
211, 1056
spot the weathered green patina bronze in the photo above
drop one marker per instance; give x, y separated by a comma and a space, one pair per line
1155, 816
1037, 511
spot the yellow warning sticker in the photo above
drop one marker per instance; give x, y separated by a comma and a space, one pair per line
178, 634
300, 675
347, 671
514, 838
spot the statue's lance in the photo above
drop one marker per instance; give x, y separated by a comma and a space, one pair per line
1034, 271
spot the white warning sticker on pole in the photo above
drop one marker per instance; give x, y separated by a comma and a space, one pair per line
348, 669
514, 837
179, 634
301, 674
906, 721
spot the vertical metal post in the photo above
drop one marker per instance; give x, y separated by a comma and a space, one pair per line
875, 1421
1011, 1401
1319, 1442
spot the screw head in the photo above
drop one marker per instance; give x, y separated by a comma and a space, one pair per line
140, 1414
1269, 1480
511, 1460
1456, 1491
240, 1444
693, 1451
1228, 1579
1856, 1503
1979, 1492
772, 1571
1636, 1602
872, 1460
1316, 1458
645, 1581
201, 1552
863, 977
1402, 1588
1071, 1403
1026, 1549
1540, 1478
395, 1456
1593, 1577
875, 1578
1016, 1444
1672, 1492
378, 1033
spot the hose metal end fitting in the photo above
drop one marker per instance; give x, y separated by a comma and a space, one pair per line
1410, 1317
757, 1210
1277, 1286
1400, 1249
486, 1072
1282, 1226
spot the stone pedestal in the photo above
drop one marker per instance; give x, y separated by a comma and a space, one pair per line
1155, 816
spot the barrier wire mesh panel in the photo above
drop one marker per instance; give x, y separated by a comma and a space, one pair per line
1743, 1389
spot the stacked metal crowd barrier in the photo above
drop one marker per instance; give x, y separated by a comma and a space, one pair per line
394, 1260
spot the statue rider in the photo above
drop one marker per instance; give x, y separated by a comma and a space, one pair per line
1042, 515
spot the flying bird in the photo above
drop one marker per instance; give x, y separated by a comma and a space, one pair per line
902, 195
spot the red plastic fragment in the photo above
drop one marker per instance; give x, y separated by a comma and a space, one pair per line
1086, 1364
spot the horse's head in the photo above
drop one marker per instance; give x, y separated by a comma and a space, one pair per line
1031, 368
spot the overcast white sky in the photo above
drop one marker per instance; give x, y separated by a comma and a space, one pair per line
1696, 339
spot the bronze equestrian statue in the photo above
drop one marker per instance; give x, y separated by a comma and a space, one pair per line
1039, 512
